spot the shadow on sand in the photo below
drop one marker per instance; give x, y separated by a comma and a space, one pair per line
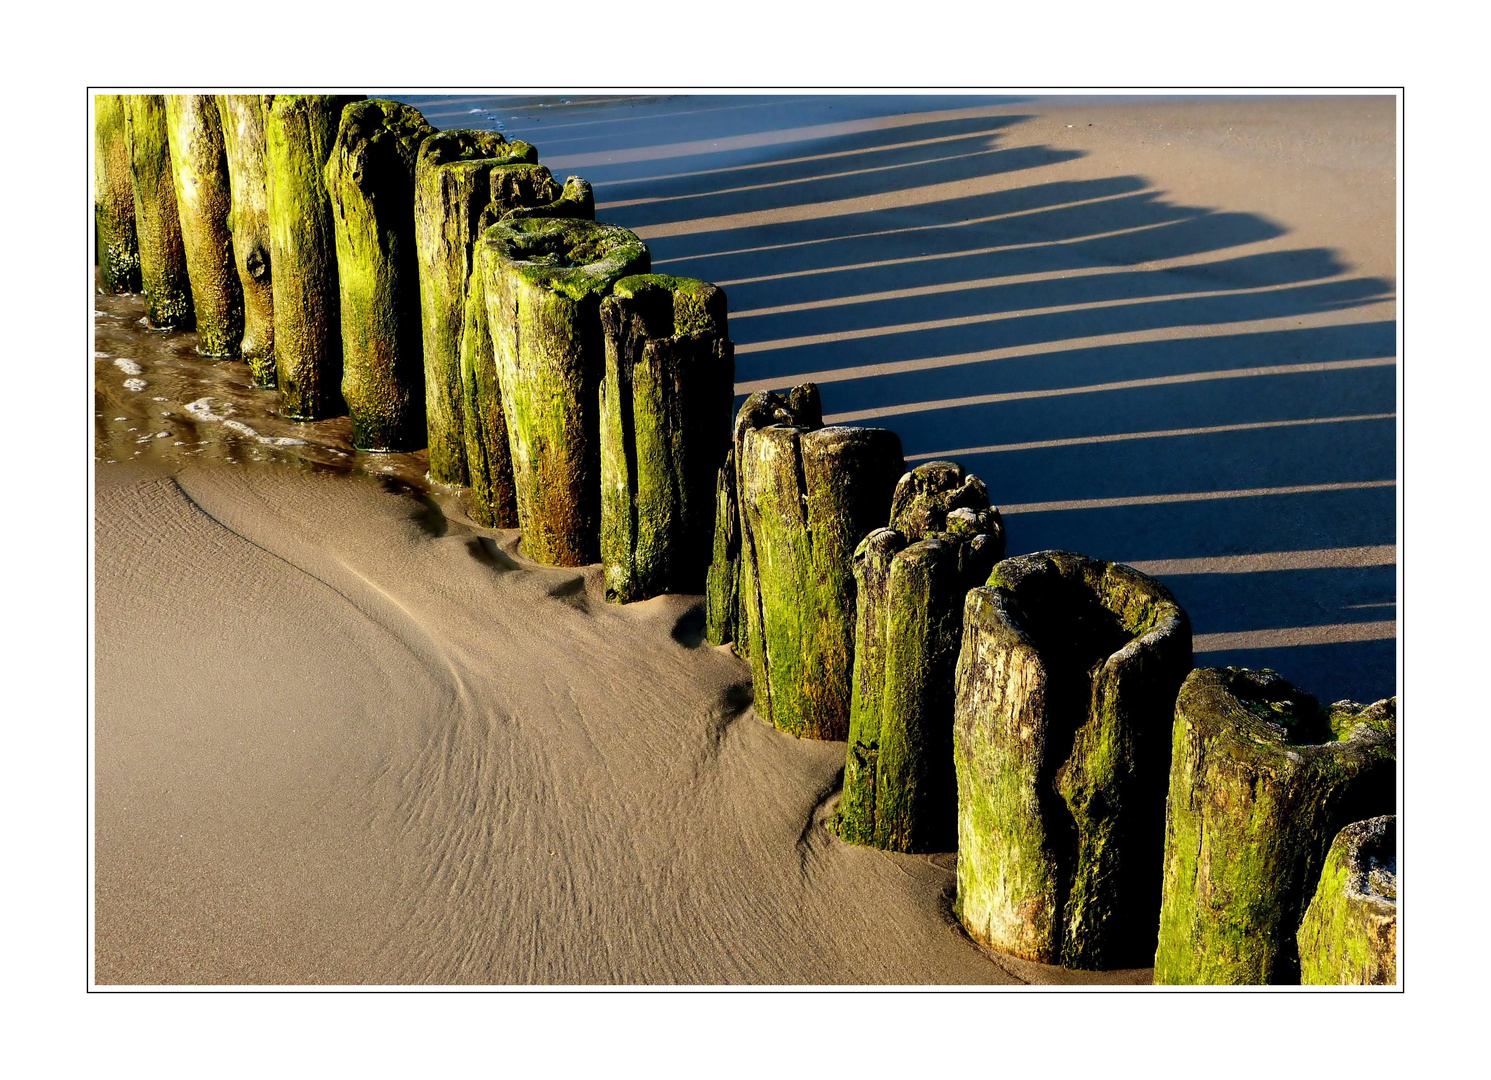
1133, 378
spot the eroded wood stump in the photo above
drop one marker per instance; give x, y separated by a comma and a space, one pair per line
370, 180
1065, 691
451, 190
1261, 781
724, 618
114, 197
1349, 935
807, 497
525, 191
163, 277
516, 191
299, 133
242, 117
900, 792
204, 196
665, 407
544, 281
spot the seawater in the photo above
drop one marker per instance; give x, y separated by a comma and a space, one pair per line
157, 402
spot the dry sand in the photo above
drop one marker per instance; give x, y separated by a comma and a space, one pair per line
343, 735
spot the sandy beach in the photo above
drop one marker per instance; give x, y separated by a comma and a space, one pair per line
344, 735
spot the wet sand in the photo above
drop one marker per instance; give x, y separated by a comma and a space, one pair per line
345, 736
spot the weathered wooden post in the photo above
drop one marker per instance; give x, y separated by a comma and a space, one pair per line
199, 167
113, 197
370, 179
544, 281
665, 408
1261, 780
900, 792
242, 117
299, 132
518, 191
725, 621
451, 189
163, 277
1065, 692
1349, 935
533, 192
807, 498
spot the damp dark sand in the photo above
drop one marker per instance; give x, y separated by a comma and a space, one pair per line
343, 735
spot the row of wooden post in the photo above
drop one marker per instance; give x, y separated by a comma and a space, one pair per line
1110, 806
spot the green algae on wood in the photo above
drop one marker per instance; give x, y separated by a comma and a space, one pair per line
900, 792
725, 621
573, 199
515, 190
1261, 780
807, 498
242, 117
927, 504
370, 181
299, 132
117, 249
163, 276
204, 197
1065, 691
488, 455
722, 579
544, 281
1349, 935
452, 188
665, 408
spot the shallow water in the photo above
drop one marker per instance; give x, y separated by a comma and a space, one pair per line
158, 403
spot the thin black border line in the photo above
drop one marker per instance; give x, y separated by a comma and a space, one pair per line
648, 988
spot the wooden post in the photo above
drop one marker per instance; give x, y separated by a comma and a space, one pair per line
725, 618
900, 792
199, 166
544, 280
1065, 690
1349, 935
665, 408
807, 498
1261, 780
114, 198
722, 580
242, 117
451, 189
163, 277
517, 191
370, 179
299, 132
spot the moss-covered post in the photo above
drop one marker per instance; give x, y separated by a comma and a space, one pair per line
807, 498
1261, 780
517, 191
1065, 692
451, 189
114, 198
299, 132
722, 579
725, 621
900, 793
665, 408
242, 117
370, 179
545, 279
1349, 935
204, 197
163, 277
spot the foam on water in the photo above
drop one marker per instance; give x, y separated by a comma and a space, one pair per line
129, 367
135, 384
